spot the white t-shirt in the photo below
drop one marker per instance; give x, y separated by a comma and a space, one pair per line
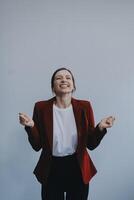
64, 131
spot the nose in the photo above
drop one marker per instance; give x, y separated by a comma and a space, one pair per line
63, 79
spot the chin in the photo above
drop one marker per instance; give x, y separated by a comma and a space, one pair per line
64, 92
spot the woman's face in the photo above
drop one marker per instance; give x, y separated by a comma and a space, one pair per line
63, 83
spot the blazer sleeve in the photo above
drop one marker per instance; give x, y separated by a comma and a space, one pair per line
94, 134
34, 135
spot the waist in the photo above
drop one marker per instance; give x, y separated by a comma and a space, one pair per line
67, 157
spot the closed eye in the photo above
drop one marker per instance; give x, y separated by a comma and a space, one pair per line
58, 78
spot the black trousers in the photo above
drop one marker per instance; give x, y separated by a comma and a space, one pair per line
65, 176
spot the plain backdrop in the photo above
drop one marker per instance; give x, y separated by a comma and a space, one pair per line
94, 39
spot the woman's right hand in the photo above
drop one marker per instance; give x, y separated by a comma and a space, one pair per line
25, 120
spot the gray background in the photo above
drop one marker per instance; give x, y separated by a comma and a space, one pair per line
95, 39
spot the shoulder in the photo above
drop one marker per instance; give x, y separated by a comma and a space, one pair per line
43, 103
81, 102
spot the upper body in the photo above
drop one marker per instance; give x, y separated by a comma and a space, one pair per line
41, 134
42, 129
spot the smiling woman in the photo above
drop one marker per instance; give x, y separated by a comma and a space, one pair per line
63, 127
63, 85
65, 78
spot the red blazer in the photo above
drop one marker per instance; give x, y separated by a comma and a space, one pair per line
41, 137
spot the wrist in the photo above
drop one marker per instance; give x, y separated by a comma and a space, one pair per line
30, 124
100, 127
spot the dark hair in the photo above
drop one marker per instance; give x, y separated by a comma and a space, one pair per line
53, 76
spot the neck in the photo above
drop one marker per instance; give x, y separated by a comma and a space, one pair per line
63, 101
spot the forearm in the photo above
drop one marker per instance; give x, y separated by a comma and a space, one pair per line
34, 137
94, 137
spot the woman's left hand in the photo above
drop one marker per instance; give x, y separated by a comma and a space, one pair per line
106, 122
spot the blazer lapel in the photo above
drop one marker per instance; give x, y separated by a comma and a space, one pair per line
49, 121
77, 114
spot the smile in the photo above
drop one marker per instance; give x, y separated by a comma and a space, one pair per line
64, 85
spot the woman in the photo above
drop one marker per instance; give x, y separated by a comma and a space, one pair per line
63, 127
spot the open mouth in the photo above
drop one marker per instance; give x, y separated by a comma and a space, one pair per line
64, 85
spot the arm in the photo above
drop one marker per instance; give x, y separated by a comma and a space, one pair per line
94, 134
34, 131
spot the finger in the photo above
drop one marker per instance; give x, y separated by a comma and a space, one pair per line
22, 118
23, 114
110, 123
22, 121
112, 118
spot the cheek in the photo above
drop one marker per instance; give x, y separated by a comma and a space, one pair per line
55, 84
72, 85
